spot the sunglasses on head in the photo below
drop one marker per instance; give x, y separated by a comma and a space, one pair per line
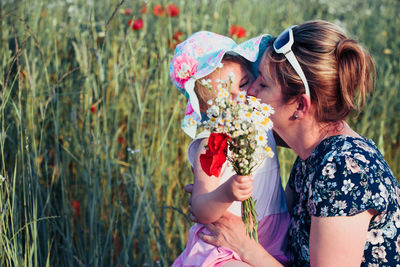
283, 45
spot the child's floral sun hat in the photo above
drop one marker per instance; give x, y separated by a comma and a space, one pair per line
198, 56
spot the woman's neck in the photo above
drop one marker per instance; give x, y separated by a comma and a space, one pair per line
308, 136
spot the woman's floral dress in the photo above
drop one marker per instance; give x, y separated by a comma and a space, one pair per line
343, 177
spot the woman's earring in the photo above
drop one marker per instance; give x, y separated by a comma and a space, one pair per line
295, 116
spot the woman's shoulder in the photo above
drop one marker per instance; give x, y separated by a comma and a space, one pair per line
352, 176
345, 143
346, 157
348, 149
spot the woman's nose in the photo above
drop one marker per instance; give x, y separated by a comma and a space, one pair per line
252, 90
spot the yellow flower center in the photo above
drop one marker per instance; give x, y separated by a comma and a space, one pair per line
265, 122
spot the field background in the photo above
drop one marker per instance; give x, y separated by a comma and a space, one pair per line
93, 161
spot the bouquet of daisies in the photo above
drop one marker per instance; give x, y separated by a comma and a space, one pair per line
237, 134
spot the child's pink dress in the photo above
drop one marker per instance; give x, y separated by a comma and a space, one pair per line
272, 215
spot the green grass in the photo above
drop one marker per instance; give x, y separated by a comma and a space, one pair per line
124, 163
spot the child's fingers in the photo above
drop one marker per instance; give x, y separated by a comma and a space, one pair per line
245, 193
244, 182
245, 186
244, 179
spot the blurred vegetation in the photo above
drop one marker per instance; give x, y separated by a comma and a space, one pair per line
93, 161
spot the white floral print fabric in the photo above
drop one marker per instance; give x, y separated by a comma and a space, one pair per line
345, 176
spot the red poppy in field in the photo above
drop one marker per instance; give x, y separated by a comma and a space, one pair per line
93, 109
176, 39
143, 10
177, 36
128, 11
137, 25
158, 10
120, 140
77, 208
173, 10
237, 30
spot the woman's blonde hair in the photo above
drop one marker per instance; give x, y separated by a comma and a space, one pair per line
340, 73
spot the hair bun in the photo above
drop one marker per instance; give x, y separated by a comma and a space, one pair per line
354, 67
345, 47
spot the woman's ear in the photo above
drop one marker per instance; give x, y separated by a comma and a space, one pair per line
304, 106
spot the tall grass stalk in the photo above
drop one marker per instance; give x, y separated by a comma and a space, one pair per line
92, 155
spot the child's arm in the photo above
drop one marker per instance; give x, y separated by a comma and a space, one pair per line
209, 199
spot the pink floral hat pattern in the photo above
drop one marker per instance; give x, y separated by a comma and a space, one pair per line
198, 56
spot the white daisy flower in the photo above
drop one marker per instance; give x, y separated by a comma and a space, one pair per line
253, 101
241, 97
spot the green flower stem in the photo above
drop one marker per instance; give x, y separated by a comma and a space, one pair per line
249, 217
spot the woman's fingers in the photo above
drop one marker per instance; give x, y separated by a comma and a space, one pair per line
228, 227
188, 188
192, 218
212, 239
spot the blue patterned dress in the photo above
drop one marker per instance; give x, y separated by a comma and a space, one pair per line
345, 176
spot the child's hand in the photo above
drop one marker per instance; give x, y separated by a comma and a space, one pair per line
239, 188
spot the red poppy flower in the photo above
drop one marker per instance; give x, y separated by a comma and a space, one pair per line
93, 109
237, 30
175, 40
120, 140
128, 11
212, 161
143, 10
158, 10
77, 208
241, 32
177, 36
137, 25
173, 10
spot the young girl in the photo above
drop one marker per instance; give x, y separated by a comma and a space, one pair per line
206, 57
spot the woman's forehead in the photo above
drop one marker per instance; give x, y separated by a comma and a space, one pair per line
263, 69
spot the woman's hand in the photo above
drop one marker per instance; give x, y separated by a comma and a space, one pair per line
189, 189
239, 188
228, 231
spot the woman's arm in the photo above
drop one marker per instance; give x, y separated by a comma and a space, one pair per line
339, 241
209, 199
334, 241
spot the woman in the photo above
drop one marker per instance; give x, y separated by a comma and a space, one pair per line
343, 199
